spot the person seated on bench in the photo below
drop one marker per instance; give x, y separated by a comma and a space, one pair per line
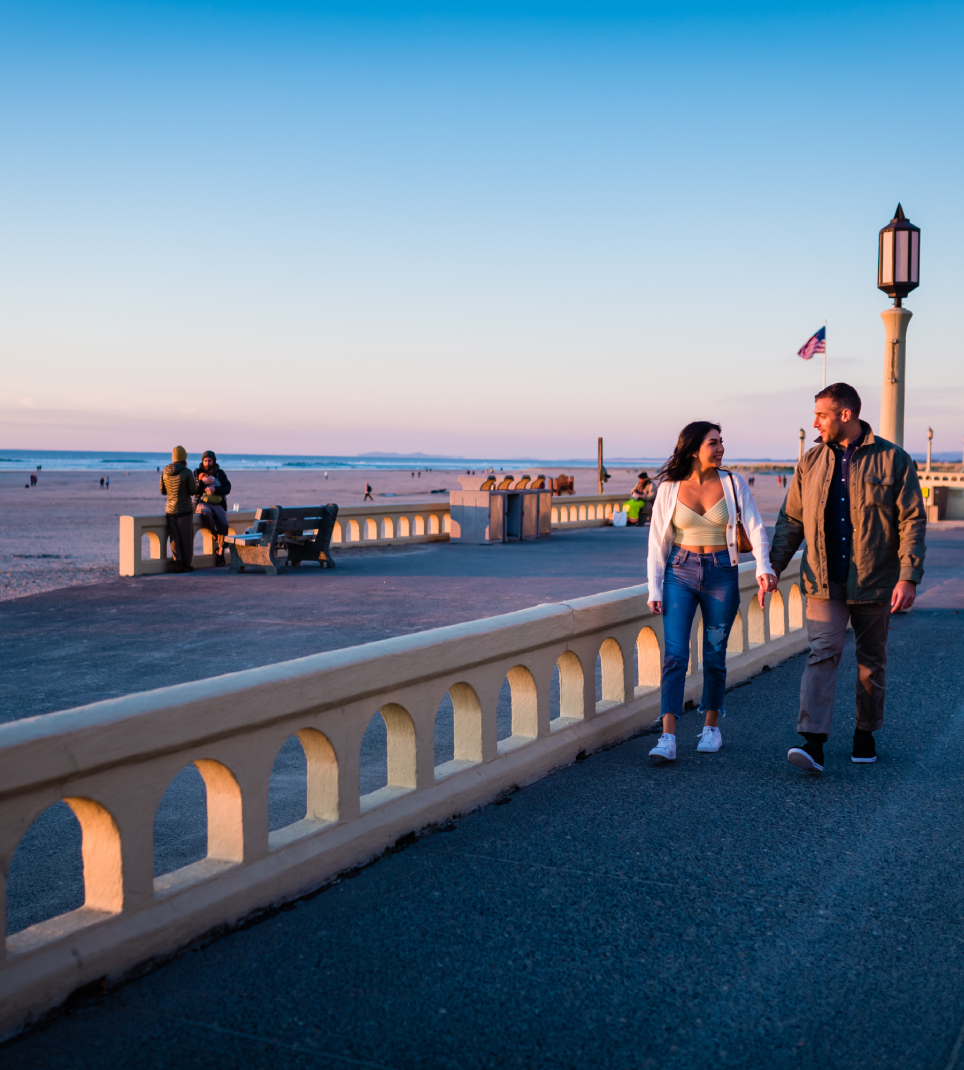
211, 503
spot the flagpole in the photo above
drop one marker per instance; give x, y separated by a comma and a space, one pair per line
824, 354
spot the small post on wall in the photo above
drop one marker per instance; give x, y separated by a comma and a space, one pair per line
803, 435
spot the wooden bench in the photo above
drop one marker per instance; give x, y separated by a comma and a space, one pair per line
304, 533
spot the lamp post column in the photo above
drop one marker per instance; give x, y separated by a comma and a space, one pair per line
892, 395
800, 454
930, 443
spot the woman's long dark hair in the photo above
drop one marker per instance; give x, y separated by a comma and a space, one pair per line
680, 465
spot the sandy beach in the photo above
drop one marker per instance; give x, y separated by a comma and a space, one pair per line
64, 531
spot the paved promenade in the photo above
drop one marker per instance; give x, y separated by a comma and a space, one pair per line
610, 915
724, 911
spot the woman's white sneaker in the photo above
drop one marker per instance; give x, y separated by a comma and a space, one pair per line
710, 741
665, 748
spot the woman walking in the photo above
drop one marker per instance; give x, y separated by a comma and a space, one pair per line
693, 559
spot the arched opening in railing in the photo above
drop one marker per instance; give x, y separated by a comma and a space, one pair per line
404, 527
354, 531
554, 515
755, 623
516, 714
199, 817
433, 524
151, 549
420, 525
388, 750
447, 524
567, 691
458, 726
649, 659
583, 515
795, 608
304, 781
69, 858
371, 528
736, 644
388, 528
336, 532
610, 677
777, 615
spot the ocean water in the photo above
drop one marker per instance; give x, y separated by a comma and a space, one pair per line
134, 461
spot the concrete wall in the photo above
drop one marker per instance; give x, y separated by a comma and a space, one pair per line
112, 761
144, 550
953, 481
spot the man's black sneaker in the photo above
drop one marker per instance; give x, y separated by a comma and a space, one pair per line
865, 751
809, 757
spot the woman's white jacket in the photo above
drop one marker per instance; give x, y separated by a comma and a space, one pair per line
661, 530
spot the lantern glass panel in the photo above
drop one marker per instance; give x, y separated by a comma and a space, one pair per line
887, 258
914, 255
901, 267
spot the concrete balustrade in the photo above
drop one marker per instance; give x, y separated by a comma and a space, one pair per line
585, 510
112, 762
144, 545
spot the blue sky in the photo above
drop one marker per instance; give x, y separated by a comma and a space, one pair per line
468, 228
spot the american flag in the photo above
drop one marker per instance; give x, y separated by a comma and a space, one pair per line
816, 344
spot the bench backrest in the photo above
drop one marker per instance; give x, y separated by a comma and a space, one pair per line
320, 518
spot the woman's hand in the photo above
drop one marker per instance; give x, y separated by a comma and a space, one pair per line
656, 608
767, 583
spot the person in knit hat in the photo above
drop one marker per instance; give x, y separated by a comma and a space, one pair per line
211, 503
179, 484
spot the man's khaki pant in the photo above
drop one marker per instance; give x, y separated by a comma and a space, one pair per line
827, 627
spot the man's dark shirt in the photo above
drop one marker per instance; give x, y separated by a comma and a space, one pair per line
837, 527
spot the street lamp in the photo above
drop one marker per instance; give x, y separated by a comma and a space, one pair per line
898, 272
898, 258
803, 435
930, 443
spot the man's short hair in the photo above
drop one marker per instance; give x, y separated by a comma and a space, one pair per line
843, 396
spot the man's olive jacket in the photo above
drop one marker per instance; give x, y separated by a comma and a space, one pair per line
886, 509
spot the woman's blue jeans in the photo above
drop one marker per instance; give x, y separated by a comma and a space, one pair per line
710, 583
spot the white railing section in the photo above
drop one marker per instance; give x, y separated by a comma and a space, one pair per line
144, 548
585, 510
112, 762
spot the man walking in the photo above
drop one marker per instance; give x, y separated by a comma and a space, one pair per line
856, 501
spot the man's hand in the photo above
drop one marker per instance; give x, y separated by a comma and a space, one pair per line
767, 583
903, 597
656, 608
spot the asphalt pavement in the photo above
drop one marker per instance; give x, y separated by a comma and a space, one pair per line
726, 910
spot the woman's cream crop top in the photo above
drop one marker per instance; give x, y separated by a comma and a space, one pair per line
691, 529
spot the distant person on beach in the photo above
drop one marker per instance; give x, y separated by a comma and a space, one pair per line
33, 479
855, 502
101, 482
107, 483
211, 501
179, 484
368, 493
693, 564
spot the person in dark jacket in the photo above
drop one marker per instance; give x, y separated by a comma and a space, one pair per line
211, 502
179, 484
856, 503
